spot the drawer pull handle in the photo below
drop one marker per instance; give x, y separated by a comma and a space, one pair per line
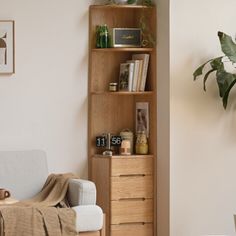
133, 175
133, 223
132, 199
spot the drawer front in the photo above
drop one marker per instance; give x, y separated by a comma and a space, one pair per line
132, 166
132, 211
131, 187
132, 230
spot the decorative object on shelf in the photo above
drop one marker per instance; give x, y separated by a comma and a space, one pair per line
126, 134
147, 2
126, 76
142, 117
7, 47
126, 37
225, 79
102, 36
141, 145
148, 39
124, 2
125, 148
131, 2
113, 86
108, 141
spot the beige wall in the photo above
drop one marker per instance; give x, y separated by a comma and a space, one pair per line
44, 105
163, 109
202, 133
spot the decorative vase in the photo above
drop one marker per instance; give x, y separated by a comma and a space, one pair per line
141, 146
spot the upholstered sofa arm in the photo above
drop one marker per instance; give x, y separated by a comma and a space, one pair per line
81, 192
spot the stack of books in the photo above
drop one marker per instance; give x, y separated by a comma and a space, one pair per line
133, 73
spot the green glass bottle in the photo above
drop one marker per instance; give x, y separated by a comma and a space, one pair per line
104, 37
98, 31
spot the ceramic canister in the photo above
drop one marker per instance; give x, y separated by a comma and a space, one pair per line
126, 134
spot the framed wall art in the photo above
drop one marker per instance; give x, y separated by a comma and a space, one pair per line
142, 117
7, 60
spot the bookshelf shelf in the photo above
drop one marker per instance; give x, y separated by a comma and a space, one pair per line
108, 7
111, 50
123, 93
124, 157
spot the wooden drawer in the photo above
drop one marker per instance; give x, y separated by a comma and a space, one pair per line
132, 230
131, 187
132, 211
132, 166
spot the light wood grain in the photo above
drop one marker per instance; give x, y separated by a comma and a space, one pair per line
132, 230
131, 187
131, 211
92, 233
101, 178
132, 166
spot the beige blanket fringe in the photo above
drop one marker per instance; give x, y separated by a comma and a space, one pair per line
38, 216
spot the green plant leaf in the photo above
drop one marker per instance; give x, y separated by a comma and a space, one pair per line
206, 77
199, 70
147, 2
131, 1
226, 95
227, 46
216, 64
225, 82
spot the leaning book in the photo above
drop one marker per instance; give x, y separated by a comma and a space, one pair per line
126, 76
145, 58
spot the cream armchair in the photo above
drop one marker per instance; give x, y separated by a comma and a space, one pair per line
23, 173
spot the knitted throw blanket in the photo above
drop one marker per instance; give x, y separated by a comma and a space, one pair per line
38, 216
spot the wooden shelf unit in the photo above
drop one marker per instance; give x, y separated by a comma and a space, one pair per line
126, 185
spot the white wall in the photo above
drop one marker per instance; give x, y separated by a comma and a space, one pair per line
202, 133
44, 104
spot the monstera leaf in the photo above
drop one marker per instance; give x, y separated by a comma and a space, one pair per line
224, 79
228, 46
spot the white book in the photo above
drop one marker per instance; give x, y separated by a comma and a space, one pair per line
145, 58
126, 76
136, 74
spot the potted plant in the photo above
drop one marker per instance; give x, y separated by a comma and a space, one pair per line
225, 79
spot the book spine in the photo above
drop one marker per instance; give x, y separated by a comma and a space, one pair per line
131, 76
136, 74
144, 74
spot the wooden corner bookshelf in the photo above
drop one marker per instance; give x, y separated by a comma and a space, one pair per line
126, 185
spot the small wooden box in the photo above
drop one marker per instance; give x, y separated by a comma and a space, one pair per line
126, 37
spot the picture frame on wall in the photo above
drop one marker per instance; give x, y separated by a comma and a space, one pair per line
7, 47
142, 117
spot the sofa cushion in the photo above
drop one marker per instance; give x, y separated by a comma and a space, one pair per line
23, 172
88, 218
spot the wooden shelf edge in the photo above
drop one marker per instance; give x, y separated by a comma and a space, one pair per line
124, 157
114, 6
120, 49
123, 93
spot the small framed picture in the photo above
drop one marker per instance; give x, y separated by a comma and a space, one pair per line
126, 37
126, 76
142, 117
7, 61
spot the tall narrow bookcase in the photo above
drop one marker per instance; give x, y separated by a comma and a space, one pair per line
126, 185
